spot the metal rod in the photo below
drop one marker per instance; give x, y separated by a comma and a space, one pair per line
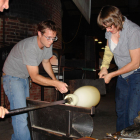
68, 122
26, 109
42, 93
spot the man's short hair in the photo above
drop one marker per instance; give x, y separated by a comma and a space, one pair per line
46, 24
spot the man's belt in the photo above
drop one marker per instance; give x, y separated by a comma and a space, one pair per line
3, 74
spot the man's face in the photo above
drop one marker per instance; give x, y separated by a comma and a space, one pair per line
47, 38
4, 4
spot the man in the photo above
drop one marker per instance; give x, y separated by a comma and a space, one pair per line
22, 62
4, 4
123, 41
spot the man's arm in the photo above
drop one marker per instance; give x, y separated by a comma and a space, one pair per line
39, 79
48, 68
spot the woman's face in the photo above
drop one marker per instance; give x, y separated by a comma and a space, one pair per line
111, 29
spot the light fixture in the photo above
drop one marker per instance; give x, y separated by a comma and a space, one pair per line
96, 39
99, 42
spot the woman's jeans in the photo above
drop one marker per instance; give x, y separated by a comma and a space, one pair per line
127, 99
17, 89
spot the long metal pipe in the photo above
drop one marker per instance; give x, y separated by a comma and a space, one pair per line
26, 109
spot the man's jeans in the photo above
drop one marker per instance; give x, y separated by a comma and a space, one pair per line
127, 99
17, 89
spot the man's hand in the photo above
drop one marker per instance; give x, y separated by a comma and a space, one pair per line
61, 86
3, 111
103, 72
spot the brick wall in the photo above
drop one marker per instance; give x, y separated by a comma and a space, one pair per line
55, 11
49, 93
15, 29
20, 22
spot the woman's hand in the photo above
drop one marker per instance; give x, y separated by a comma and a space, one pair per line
103, 72
107, 78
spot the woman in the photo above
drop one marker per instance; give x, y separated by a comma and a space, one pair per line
123, 41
